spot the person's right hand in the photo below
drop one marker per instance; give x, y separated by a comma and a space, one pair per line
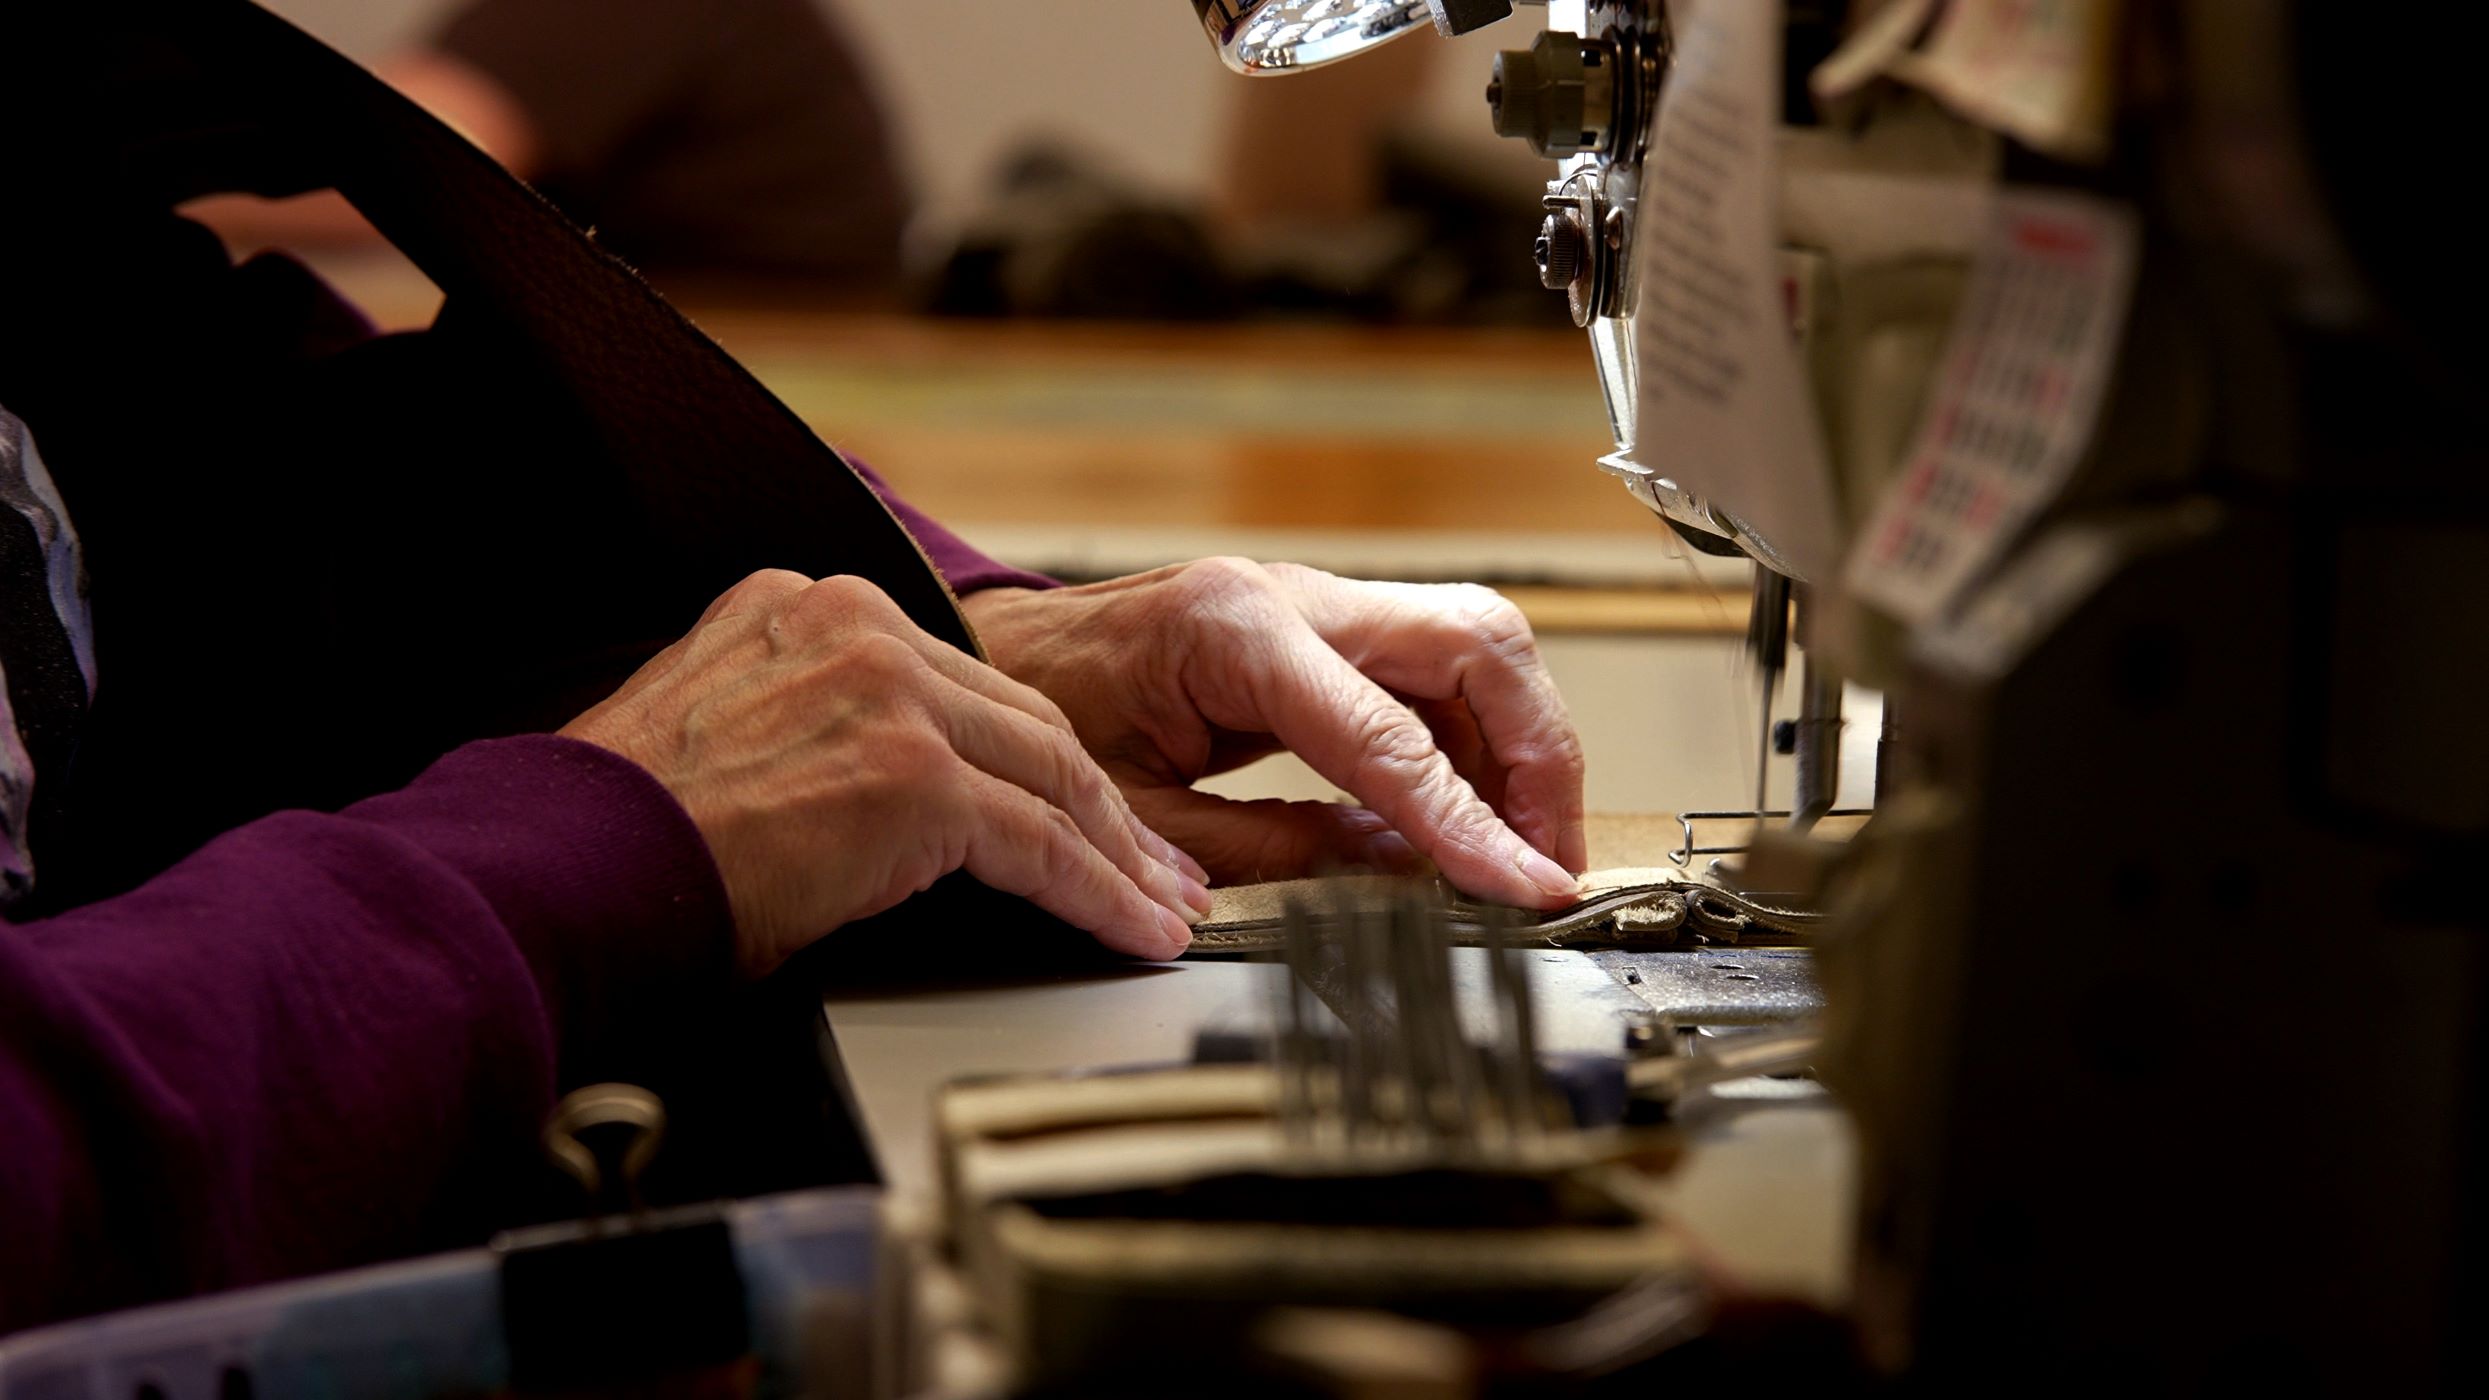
839, 759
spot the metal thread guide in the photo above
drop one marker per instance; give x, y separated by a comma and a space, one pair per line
1373, 1051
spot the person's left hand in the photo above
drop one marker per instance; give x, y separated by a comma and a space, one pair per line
1186, 671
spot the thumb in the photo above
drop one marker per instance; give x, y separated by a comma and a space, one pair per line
1249, 842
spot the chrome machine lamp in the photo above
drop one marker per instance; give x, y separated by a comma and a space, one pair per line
1259, 37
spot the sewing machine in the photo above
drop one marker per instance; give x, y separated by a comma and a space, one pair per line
2078, 372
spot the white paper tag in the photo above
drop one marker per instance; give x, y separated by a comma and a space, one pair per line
2038, 70
1723, 407
2013, 406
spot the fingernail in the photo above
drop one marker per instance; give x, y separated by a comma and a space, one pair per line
1197, 895
1178, 893
1174, 930
1390, 852
1546, 874
1170, 854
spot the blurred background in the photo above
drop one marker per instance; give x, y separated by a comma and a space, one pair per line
1130, 82
1100, 304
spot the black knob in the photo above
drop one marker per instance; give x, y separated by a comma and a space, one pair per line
1558, 94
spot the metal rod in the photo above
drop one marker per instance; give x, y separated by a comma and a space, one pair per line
1357, 1012
1887, 748
1416, 1013
1513, 1070
1525, 1035
1460, 1065
1404, 1068
1297, 1050
1817, 733
1767, 641
1818, 744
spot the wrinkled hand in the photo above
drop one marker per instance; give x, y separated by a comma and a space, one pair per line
838, 759
1173, 675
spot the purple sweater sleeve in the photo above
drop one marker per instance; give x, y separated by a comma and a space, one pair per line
962, 566
322, 1037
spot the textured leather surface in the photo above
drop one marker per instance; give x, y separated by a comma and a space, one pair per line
1249, 917
1633, 897
1635, 908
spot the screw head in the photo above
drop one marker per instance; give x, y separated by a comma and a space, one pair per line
1561, 251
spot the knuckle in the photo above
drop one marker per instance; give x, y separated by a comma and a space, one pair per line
775, 580
1491, 617
1228, 578
1568, 741
844, 599
1555, 756
1294, 575
915, 759
880, 659
1393, 747
1059, 832
849, 590
766, 585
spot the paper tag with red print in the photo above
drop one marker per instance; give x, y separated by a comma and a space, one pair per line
2013, 407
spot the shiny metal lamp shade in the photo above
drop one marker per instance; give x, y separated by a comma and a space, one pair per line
1260, 37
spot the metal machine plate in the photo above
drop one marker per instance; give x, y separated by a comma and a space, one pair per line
1719, 986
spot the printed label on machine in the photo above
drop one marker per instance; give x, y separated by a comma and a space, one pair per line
1723, 408
2013, 407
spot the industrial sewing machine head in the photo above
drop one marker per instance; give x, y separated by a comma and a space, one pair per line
1750, 350
2102, 379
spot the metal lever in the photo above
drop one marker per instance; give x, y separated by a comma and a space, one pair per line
1767, 641
603, 1136
1401, 1068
